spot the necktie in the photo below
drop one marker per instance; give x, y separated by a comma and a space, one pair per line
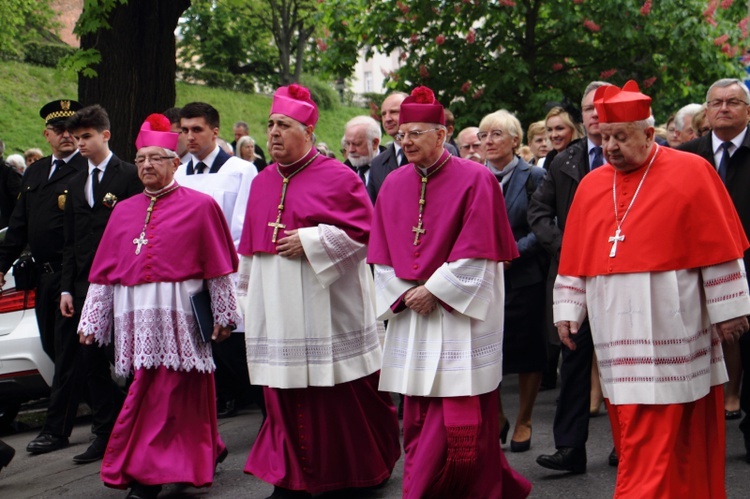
724, 164
361, 172
402, 158
56, 166
94, 185
200, 167
598, 158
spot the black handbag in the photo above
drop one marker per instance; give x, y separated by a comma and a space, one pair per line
25, 273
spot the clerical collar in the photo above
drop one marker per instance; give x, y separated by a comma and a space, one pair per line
737, 141
103, 165
304, 159
208, 160
437, 164
164, 190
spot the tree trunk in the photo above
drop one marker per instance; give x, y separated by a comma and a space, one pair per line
136, 76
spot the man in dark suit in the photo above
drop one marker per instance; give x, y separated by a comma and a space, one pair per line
92, 195
393, 157
548, 211
37, 221
727, 148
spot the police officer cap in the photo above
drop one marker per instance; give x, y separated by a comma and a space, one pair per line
59, 110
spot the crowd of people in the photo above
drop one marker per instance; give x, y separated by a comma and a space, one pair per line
401, 283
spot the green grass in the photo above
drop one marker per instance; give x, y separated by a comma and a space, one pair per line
25, 88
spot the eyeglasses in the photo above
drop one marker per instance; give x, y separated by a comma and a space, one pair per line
494, 134
731, 103
57, 130
413, 134
154, 160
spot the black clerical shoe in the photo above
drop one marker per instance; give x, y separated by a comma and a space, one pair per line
226, 409
95, 451
140, 491
46, 443
565, 459
6, 454
613, 459
282, 493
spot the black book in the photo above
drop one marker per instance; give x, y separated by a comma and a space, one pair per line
201, 303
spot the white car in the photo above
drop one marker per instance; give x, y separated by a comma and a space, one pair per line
25, 370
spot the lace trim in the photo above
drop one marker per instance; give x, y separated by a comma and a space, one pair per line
344, 253
149, 338
96, 316
224, 301
309, 351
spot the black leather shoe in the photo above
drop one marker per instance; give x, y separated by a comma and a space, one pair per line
46, 443
140, 491
95, 451
565, 459
227, 409
6, 454
613, 459
282, 493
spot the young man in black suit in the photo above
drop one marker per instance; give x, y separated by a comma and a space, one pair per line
92, 195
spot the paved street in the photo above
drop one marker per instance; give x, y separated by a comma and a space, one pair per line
55, 476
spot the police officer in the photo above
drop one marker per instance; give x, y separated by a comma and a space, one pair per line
37, 222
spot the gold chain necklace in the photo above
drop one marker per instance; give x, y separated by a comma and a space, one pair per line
277, 224
141, 240
418, 230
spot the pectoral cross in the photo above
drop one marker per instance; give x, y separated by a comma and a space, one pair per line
418, 230
614, 239
276, 226
140, 241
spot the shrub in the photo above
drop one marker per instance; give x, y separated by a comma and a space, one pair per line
46, 54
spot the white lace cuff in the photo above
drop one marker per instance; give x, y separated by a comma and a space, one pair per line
97, 313
224, 301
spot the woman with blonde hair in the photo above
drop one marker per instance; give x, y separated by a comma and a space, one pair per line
562, 129
524, 343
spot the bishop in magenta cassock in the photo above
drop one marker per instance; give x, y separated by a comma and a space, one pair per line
652, 252
440, 235
160, 248
311, 333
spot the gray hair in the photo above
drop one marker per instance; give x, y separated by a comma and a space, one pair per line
643, 124
372, 127
728, 82
243, 125
593, 86
16, 161
241, 143
689, 110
